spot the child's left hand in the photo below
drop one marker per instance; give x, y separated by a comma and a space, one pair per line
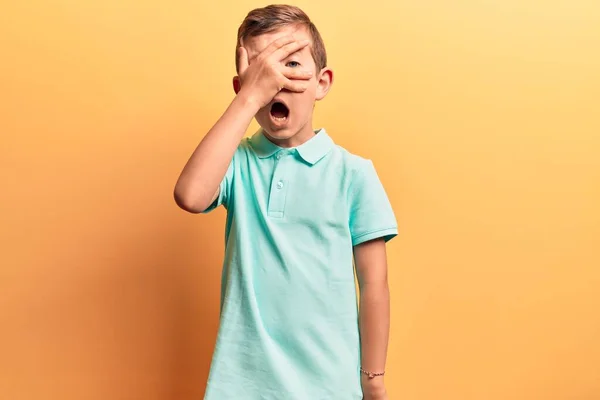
374, 389
380, 396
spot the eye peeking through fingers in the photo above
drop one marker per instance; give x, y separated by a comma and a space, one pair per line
292, 64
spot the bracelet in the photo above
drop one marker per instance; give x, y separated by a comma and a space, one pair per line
371, 375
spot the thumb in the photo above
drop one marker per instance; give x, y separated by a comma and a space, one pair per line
242, 60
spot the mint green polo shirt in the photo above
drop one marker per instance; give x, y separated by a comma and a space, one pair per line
289, 319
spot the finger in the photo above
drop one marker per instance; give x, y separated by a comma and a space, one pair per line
288, 49
296, 73
276, 44
242, 60
295, 86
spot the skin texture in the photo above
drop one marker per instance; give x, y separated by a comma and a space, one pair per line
278, 66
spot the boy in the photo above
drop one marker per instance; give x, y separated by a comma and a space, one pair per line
299, 208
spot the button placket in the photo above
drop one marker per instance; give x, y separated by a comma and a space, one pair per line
278, 186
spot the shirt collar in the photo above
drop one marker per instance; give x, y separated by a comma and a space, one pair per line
311, 151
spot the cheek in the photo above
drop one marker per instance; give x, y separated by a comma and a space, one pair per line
310, 96
263, 114
311, 92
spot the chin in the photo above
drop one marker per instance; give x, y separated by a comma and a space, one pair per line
279, 134
278, 130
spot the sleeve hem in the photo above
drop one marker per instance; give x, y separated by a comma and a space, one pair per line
218, 201
387, 234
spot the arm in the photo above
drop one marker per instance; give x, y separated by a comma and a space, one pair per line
374, 320
198, 184
257, 84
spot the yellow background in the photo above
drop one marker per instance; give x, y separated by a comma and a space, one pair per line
482, 118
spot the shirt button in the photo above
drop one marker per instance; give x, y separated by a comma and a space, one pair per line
278, 156
280, 185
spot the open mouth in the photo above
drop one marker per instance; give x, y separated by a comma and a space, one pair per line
279, 111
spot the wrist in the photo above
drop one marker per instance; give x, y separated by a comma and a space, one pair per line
248, 102
375, 380
373, 386
370, 374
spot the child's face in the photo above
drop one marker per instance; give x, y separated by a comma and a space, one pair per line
296, 127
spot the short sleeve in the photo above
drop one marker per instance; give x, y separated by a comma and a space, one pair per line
225, 189
371, 214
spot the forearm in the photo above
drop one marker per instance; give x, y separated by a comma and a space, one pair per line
202, 174
374, 323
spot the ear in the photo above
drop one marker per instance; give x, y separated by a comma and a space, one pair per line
237, 85
324, 83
